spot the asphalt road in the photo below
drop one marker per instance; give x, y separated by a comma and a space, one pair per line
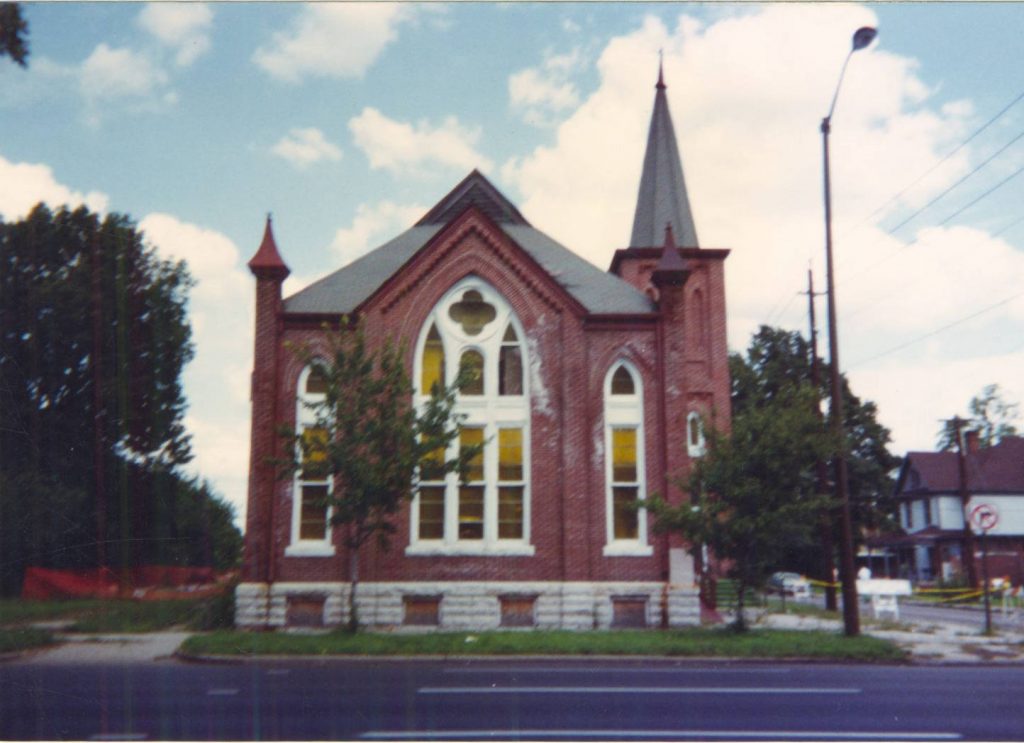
510, 699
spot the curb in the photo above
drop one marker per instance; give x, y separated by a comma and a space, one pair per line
646, 659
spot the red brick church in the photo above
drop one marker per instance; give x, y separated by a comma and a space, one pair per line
592, 392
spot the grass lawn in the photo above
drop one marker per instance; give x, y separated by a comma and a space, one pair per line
117, 615
675, 643
800, 608
22, 638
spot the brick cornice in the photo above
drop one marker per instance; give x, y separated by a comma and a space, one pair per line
711, 254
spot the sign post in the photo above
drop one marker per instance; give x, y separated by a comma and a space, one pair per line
984, 517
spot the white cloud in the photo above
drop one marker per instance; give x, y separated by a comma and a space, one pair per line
23, 185
185, 27
332, 40
217, 380
404, 148
541, 94
371, 226
125, 78
752, 160
304, 146
119, 73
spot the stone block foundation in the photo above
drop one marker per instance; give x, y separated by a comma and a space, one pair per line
469, 605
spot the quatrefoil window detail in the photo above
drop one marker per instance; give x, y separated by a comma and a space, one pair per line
472, 312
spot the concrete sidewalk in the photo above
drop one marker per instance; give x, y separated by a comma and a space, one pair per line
926, 642
111, 648
931, 642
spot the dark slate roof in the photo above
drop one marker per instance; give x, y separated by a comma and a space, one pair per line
474, 190
662, 199
344, 290
997, 469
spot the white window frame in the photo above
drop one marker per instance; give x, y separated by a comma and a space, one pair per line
489, 411
304, 418
625, 411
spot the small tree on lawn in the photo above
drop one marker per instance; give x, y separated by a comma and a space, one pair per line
370, 439
752, 496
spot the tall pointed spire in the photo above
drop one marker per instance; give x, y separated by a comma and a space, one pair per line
662, 198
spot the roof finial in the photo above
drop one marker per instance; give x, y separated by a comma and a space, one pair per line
661, 74
267, 262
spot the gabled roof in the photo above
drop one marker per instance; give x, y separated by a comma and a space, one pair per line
997, 469
662, 198
345, 290
474, 190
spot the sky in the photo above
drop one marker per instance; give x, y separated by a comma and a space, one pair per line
348, 121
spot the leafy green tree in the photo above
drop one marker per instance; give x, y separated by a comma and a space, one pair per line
753, 495
371, 440
778, 360
94, 337
13, 33
992, 416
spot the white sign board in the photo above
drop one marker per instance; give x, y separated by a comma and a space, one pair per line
883, 587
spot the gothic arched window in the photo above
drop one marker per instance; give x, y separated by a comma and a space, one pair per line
488, 513
311, 531
624, 461
695, 442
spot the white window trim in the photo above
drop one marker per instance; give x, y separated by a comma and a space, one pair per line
299, 547
489, 411
698, 449
625, 411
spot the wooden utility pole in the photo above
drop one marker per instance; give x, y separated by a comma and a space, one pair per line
965, 497
828, 565
98, 418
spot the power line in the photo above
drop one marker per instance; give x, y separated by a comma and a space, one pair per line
991, 190
773, 313
978, 167
981, 165
955, 150
942, 329
1012, 224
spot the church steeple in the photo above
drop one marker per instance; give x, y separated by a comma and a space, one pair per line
662, 199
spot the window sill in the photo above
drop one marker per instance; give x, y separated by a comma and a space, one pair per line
480, 550
317, 549
630, 549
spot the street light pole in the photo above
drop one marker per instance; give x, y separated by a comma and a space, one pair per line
847, 574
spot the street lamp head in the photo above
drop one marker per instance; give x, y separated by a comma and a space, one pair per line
863, 36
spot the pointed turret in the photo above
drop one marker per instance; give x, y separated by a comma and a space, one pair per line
267, 262
671, 269
662, 198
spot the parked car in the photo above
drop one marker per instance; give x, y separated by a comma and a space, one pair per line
790, 584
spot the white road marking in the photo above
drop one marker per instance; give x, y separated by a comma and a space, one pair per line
221, 692
665, 734
606, 670
631, 690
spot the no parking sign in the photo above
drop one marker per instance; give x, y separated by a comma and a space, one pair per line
984, 517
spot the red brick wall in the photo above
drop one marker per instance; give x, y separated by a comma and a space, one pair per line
567, 484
